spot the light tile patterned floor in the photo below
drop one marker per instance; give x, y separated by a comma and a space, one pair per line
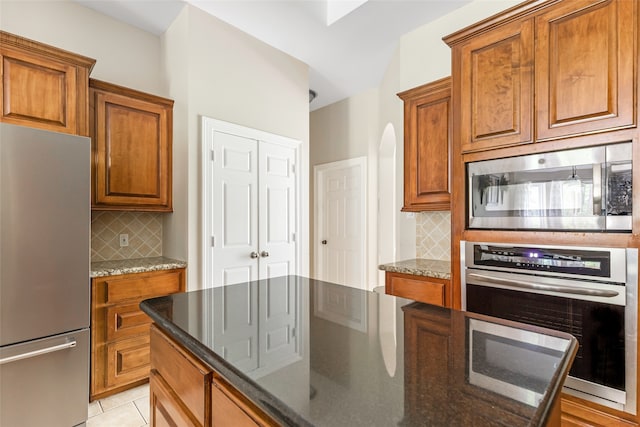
127, 409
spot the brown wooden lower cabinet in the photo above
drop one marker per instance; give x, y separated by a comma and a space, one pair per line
575, 414
429, 290
184, 391
166, 409
120, 330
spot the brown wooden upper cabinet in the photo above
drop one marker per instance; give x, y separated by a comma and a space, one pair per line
131, 134
43, 87
545, 70
585, 67
427, 146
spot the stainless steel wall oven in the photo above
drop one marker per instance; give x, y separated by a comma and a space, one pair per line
588, 292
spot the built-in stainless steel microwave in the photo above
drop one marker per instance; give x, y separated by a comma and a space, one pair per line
580, 189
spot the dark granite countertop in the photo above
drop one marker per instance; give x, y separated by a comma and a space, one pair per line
312, 353
135, 265
420, 267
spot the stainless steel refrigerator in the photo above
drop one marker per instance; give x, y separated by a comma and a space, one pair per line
44, 277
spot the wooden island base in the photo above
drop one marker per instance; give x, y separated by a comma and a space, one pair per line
186, 392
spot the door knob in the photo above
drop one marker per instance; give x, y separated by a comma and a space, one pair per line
254, 255
324, 242
264, 254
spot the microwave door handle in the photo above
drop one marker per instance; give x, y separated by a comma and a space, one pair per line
542, 287
597, 189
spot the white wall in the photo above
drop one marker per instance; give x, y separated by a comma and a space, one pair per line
207, 67
346, 130
125, 55
233, 77
421, 57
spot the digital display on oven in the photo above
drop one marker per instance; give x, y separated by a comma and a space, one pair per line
592, 263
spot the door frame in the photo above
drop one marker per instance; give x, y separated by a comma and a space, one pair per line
208, 127
318, 205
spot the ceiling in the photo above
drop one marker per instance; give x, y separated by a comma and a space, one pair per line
346, 57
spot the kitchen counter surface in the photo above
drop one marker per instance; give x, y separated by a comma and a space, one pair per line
420, 267
136, 265
312, 353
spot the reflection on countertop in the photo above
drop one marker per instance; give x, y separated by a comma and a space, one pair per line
134, 265
366, 358
420, 267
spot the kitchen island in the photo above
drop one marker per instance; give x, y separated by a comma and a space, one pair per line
297, 351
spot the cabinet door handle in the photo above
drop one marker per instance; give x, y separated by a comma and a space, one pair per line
264, 254
254, 255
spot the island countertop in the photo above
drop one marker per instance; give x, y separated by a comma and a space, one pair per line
313, 353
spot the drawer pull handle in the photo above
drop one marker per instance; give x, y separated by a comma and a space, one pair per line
38, 352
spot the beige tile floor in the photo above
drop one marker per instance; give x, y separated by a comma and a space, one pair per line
127, 409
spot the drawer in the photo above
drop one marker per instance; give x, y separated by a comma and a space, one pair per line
142, 286
189, 378
127, 361
430, 291
126, 320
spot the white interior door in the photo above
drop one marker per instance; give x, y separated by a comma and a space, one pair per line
250, 204
235, 209
277, 207
341, 222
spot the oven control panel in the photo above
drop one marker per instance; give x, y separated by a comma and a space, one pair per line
571, 261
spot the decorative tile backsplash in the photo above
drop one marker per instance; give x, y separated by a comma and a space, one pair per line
433, 235
144, 230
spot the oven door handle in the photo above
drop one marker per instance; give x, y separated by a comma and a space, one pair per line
542, 287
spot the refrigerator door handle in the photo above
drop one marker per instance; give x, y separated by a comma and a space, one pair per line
49, 349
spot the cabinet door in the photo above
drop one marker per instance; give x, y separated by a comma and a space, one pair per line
225, 412
166, 409
230, 408
576, 414
187, 376
496, 88
38, 92
42, 86
132, 152
585, 70
427, 146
